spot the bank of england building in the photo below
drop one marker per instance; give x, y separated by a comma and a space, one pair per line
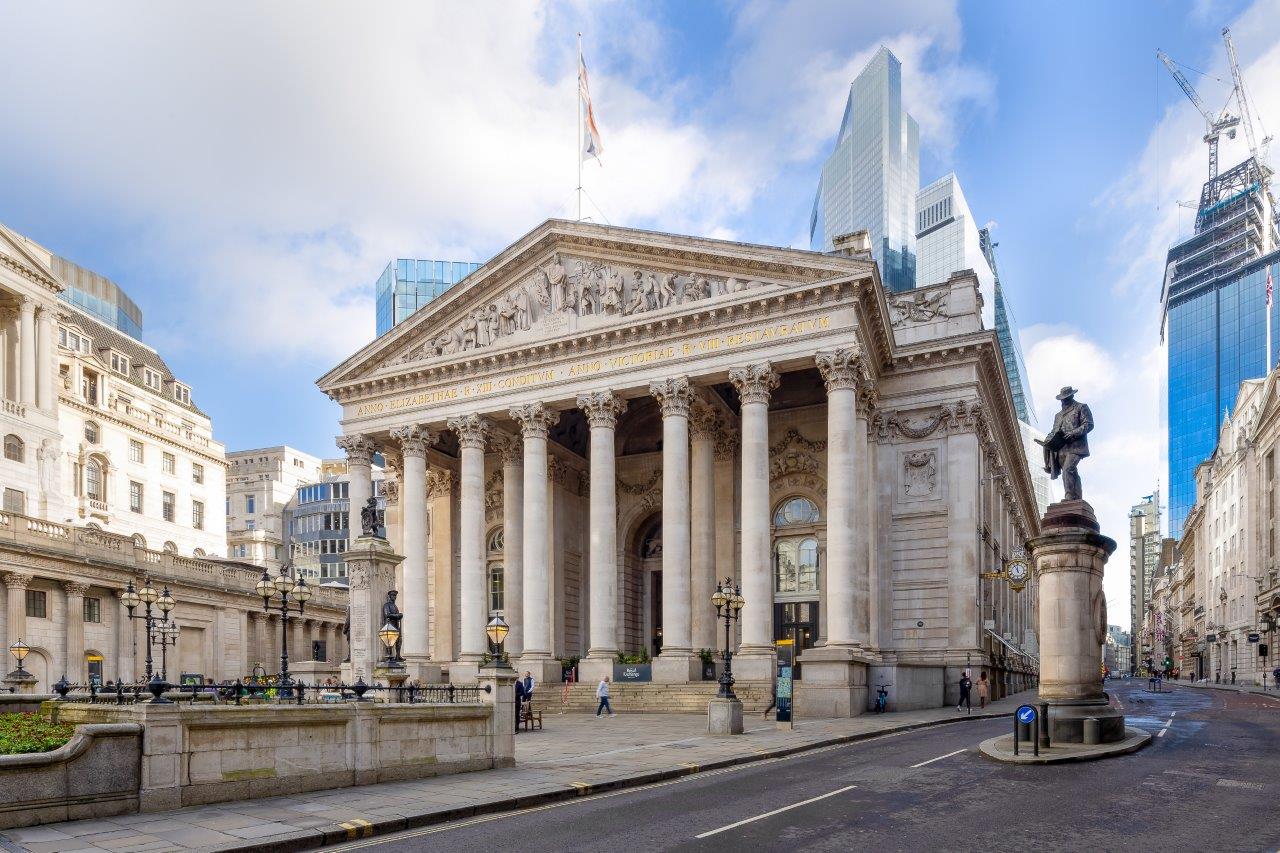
599, 424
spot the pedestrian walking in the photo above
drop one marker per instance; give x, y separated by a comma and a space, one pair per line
602, 693
966, 685
984, 691
519, 702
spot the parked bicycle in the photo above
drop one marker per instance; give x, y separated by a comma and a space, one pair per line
882, 698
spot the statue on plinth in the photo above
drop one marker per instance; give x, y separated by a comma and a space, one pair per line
1068, 443
371, 519
391, 614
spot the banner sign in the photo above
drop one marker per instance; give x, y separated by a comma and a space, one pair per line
786, 665
633, 672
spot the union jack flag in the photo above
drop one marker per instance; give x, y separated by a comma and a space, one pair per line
591, 144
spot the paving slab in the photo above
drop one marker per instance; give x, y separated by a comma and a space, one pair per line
574, 755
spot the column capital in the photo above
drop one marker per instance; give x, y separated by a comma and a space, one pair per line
473, 431
842, 369
726, 442
704, 421
359, 448
414, 439
754, 382
17, 580
673, 395
258, 615
26, 305
440, 482
602, 408
75, 588
534, 419
509, 447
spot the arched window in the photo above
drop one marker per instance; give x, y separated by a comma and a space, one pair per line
94, 481
139, 541
496, 541
795, 511
14, 448
795, 561
170, 548
91, 433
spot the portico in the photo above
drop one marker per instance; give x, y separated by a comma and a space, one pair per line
599, 423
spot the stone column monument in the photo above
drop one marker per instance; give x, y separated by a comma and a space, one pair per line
1069, 555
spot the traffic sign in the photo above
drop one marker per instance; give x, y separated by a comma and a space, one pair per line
1253, 638
1027, 714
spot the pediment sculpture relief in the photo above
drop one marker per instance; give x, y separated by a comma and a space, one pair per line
918, 307
560, 294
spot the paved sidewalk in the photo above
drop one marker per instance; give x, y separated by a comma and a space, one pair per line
576, 754
1270, 692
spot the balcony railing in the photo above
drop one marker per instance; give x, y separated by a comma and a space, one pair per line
14, 408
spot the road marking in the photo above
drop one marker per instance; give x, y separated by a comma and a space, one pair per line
939, 758
357, 827
1166, 726
1234, 783
775, 811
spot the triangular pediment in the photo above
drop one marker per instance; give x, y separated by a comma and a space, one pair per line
18, 252
566, 278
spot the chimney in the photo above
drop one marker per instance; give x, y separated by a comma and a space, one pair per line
855, 244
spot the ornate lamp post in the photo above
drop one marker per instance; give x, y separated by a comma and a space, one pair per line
497, 631
148, 597
283, 586
728, 602
19, 651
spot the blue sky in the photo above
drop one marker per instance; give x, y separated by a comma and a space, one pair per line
246, 173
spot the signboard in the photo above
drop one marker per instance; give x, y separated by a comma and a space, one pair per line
191, 678
633, 672
786, 666
1211, 638
1253, 638
1027, 714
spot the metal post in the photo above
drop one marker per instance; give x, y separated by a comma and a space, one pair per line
1035, 736
1044, 727
1015, 732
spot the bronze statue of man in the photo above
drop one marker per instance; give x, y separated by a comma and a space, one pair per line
392, 614
1067, 442
371, 519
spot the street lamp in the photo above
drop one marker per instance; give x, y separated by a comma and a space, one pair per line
497, 631
149, 598
389, 635
19, 651
283, 586
728, 601
166, 636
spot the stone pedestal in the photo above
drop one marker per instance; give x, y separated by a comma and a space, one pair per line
371, 569
677, 668
501, 681
1070, 555
592, 669
392, 676
834, 683
752, 665
724, 716
20, 682
545, 670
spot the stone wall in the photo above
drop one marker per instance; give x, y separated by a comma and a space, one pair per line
95, 774
207, 754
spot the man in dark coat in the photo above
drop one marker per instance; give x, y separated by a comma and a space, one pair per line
1068, 443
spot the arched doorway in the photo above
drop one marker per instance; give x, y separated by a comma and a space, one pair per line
640, 621
797, 584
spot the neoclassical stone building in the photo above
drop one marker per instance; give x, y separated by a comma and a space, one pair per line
600, 422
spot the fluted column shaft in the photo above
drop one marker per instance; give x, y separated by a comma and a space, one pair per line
74, 665
472, 433
124, 666
839, 374
535, 419
44, 360
673, 395
513, 541
27, 360
413, 506
754, 385
702, 560
602, 409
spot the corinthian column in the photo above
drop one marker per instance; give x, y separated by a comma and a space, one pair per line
414, 440
74, 664
512, 452
602, 409
840, 371
756, 657
44, 360
704, 428
27, 360
535, 420
359, 450
472, 431
676, 663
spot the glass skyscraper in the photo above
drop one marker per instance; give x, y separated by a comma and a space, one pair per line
870, 179
1214, 324
1015, 368
408, 283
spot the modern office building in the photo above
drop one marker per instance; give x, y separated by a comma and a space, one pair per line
319, 520
1144, 555
947, 240
1214, 319
407, 284
1015, 368
98, 296
870, 179
260, 484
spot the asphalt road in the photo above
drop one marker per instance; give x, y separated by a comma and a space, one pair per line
1210, 781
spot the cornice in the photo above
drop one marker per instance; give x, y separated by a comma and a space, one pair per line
107, 415
31, 273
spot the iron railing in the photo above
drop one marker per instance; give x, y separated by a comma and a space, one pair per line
258, 691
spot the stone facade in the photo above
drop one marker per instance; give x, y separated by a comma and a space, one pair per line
62, 586
95, 774
602, 422
260, 484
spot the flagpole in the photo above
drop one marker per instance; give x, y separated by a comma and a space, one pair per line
578, 100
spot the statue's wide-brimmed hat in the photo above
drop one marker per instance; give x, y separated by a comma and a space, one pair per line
1067, 391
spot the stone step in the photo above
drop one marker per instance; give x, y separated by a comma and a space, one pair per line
650, 697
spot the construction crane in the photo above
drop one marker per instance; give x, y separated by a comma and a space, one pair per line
1225, 122
1242, 97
